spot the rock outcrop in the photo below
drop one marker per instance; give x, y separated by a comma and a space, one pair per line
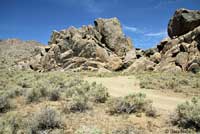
179, 53
99, 47
183, 21
103, 47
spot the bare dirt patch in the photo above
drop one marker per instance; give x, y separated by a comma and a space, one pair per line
119, 86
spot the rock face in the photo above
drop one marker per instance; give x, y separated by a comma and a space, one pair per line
183, 21
181, 52
99, 47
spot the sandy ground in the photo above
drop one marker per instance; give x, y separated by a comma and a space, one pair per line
165, 101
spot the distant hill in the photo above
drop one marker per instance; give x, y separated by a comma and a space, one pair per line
12, 50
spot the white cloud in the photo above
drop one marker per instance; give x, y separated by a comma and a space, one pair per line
129, 28
133, 29
157, 34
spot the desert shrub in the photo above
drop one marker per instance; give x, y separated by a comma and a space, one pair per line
196, 84
172, 84
4, 103
151, 111
54, 95
129, 104
75, 90
183, 82
43, 91
188, 114
56, 80
78, 103
98, 93
88, 130
24, 84
74, 82
15, 92
36, 93
95, 92
46, 119
76, 87
32, 95
9, 124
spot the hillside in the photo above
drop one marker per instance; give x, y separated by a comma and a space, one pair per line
14, 50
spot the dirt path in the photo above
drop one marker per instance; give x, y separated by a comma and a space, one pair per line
165, 101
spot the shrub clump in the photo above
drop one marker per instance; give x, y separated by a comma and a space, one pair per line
78, 103
134, 103
188, 114
32, 95
9, 124
80, 94
54, 95
98, 93
46, 119
4, 104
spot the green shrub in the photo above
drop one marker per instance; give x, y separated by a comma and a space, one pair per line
75, 90
54, 95
188, 114
46, 119
95, 92
74, 82
177, 82
4, 103
78, 103
88, 130
32, 95
98, 93
172, 84
43, 91
9, 124
151, 111
129, 104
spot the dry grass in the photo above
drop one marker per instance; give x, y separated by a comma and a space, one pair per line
80, 106
31, 91
179, 82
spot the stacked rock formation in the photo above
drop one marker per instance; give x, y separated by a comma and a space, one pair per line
180, 52
102, 47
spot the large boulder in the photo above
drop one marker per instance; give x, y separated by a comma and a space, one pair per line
141, 64
183, 21
112, 35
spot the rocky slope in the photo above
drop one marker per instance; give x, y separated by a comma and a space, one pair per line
13, 51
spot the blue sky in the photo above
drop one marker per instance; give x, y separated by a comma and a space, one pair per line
145, 21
